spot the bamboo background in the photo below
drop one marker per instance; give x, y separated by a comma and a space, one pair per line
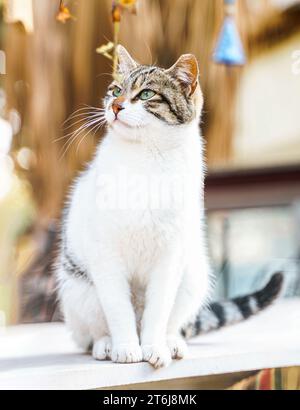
56, 70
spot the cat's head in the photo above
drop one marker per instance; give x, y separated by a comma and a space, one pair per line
149, 96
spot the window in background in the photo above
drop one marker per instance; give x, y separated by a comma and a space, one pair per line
248, 245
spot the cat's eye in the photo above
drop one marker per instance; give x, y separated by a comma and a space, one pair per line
146, 94
117, 91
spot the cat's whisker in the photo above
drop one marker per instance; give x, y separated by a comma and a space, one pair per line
96, 128
83, 110
96, 108
77, 133
82, 113
74, 135
91, 116
69, 134
89, 120
80, 110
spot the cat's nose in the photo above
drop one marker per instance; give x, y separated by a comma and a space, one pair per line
117, 105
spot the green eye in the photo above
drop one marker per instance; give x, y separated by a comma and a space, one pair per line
146, 94
117, 91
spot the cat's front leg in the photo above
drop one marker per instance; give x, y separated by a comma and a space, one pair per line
110, 279
191, 296
160, 296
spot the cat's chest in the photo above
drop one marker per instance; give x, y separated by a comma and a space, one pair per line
139, 236
144, 236
146, 227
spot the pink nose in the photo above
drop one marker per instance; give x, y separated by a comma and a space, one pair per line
117, 105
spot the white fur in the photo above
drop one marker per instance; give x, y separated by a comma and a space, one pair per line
147, 262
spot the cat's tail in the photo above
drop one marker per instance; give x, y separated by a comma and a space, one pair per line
220, 314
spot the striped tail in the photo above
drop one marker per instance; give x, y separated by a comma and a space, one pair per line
220, 314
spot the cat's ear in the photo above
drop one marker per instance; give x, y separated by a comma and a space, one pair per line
186, 71
125, 62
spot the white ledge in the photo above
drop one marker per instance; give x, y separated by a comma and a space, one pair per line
44, 356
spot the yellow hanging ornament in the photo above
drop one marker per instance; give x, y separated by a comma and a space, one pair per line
64, 13
109, 50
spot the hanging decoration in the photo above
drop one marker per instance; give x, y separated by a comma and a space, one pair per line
229, 49
109, 50
64, 13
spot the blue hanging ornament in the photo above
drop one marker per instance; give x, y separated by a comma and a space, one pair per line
229, 49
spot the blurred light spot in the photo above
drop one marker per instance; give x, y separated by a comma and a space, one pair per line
9, 164
25, 158
6, 175
2, 99
6, 134
15, 121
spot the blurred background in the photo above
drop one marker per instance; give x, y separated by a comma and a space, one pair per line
49, 68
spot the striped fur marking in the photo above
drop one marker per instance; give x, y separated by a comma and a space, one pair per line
73, 269
253, 304
232, 312
228, 312
171, 104
219, 312
243, 304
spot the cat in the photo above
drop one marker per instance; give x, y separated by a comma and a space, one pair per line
133, 271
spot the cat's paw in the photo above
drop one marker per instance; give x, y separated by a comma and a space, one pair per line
177, 346
127, 353
157, 354
102, 348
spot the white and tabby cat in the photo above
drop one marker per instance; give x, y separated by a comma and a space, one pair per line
133, 271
